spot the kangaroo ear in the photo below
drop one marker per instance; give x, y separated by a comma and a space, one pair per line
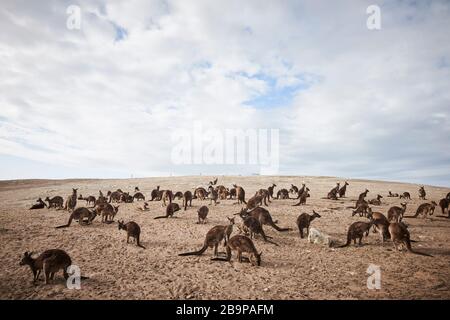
260, 253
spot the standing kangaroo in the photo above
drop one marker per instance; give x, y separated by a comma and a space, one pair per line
422, 193
357, 231
304, 220
202, 214
55, 202
444, 204
396, 214
155, 194
399, 233
380, 224
187, 198
139, 196
240, 194
133, 230
80, 214
270, 189
108, 212
343, 190
213, 238
71, 201
50, 261
253, 226
265, 218
424, 209
242, 244
213, 196
303, 196
167, 195
170, 210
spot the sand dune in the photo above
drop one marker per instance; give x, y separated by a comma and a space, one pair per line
294, 270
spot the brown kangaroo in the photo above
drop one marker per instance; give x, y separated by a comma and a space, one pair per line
335, 190
115, 196
304, 195
133, 230
283, 194
395, 214
155, 194
357, 231
126, 197
265, 218
39, 205
424, 209
170, 210
380, 224
145, 207
392, 195
293, 189
50, 261
254, 202
405, 195
362, 209
264, 194
253, 226
444, 204
71, 201
242, 244
270, 189
200, 193
343, 190
301, 190
304, 220
363, 195
399, 233
108, 212
187, 198
202, 214
213, 238
422, 193
377, 201
214, 182
213, 196
80, 214
240, 194
55, 202
139, 196
167, 195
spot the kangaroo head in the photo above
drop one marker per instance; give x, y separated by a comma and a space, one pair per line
403, 204
231, 220
379, 196
315, 214
74, 190
346, 183
116, 209
433, 203
257, 259
47, 199
121, 225
26, 259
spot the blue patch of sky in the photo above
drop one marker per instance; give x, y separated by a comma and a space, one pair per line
121, 32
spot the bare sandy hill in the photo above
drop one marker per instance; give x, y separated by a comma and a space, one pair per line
295, 269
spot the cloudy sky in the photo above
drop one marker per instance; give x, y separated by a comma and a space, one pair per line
102, 100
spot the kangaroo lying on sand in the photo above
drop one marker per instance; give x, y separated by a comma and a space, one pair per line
39, 205
213, 238
242, 244
304, 220
405, 195
377, 201
283, 194
55, 202
133, 230
170, 210
50, 261
202, 214
253, 226
357, 231
424, 209
395, 214
343, 190
80, 214
392, 195
399, 233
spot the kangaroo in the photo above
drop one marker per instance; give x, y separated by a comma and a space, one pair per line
136, 189
363, 195
253, 226
89, 200
200, 193
55, 202
214, 182
357, 231
223, 194
202, 214
50, 261
270, 189
139, 196
377, 201
392, 195
126, 197
301, 190
265, 218
424, 209
145, 207
115, 196
155, 194
335, 190
254, 202
264, 194
283, 194
178, 195
167, 195
213, 238
405, 195
303, 198
240, 194
187, 198
444, 204
213, 196
331, 195
293, 189
108, 212
71, 201
422, 193
380, 224
232, 194
80, 214
39, 205
170, 210
242, 244
304, 220
399, 233
133, 230
362, 209
448, 196
343, 190
395, 214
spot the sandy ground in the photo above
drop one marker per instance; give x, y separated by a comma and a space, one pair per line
294, 270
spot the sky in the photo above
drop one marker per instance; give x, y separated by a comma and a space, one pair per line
104, 100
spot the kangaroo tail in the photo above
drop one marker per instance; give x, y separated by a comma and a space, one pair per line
195, 253
65, 225
408, 247
273, 225
349, 239
161, 217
